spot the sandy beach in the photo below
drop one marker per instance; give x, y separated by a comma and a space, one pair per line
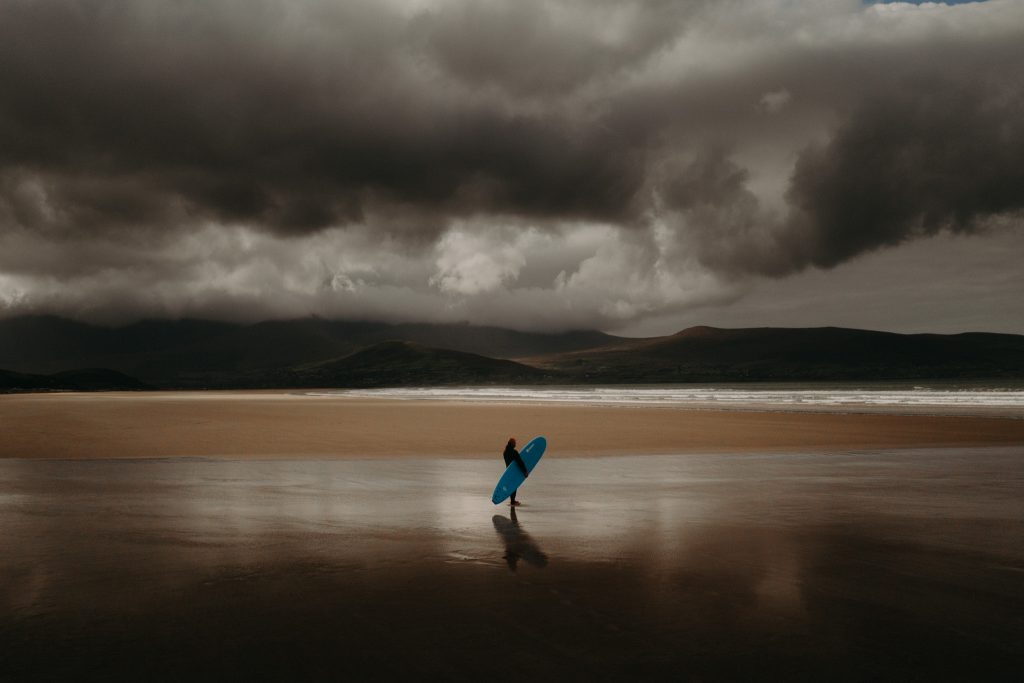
282, 424
222, 536
884, 565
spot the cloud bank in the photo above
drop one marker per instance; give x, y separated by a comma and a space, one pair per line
532, 164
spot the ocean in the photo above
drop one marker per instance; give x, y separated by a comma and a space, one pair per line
1005, 399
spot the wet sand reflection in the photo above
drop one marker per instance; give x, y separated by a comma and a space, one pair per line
846, 566
518, 544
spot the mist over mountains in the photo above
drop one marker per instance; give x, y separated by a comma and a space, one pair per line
313, 352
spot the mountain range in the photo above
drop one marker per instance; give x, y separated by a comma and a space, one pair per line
312, 352
88, 379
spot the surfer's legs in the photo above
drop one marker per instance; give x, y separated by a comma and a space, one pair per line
512, 500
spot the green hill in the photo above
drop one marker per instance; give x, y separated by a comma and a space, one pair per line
707, 354
91, 379
197, 353
401, 363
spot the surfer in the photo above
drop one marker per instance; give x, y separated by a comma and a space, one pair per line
510, 455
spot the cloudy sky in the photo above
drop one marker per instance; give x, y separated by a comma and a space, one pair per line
636, 166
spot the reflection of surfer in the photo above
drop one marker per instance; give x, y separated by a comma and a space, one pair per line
511, 454
518, 544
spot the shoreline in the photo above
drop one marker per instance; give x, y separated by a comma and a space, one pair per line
800, 398
283, 424
995, 412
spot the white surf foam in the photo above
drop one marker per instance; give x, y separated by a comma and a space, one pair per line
910, 397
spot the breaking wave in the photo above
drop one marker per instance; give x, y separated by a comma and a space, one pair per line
713, 396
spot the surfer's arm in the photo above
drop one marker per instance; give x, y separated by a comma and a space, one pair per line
520, 463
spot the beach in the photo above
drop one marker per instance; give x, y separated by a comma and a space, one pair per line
292, 424
212, 536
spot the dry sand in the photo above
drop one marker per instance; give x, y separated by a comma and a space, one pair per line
282, 424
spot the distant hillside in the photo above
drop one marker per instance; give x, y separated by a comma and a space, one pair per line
92, 379
197, 353
19, 381
707, 354
401, 363
316, 352
99, 379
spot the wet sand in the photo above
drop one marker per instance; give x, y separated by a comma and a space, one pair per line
892, 565
214, 535
280, 425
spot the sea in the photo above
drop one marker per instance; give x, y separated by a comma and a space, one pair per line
1003, 399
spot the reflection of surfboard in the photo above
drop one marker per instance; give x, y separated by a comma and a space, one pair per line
518, 544
513, 477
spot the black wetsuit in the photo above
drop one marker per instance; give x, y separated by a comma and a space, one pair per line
510, 455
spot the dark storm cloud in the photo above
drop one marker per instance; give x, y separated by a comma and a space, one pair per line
297, 116
649, 154
939, 155
942, 155
291, 117
932, 142
540, 49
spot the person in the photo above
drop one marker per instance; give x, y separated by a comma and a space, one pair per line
512, 455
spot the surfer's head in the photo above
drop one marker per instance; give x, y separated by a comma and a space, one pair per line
511, 441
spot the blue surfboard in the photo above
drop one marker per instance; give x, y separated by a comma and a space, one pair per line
513, 477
